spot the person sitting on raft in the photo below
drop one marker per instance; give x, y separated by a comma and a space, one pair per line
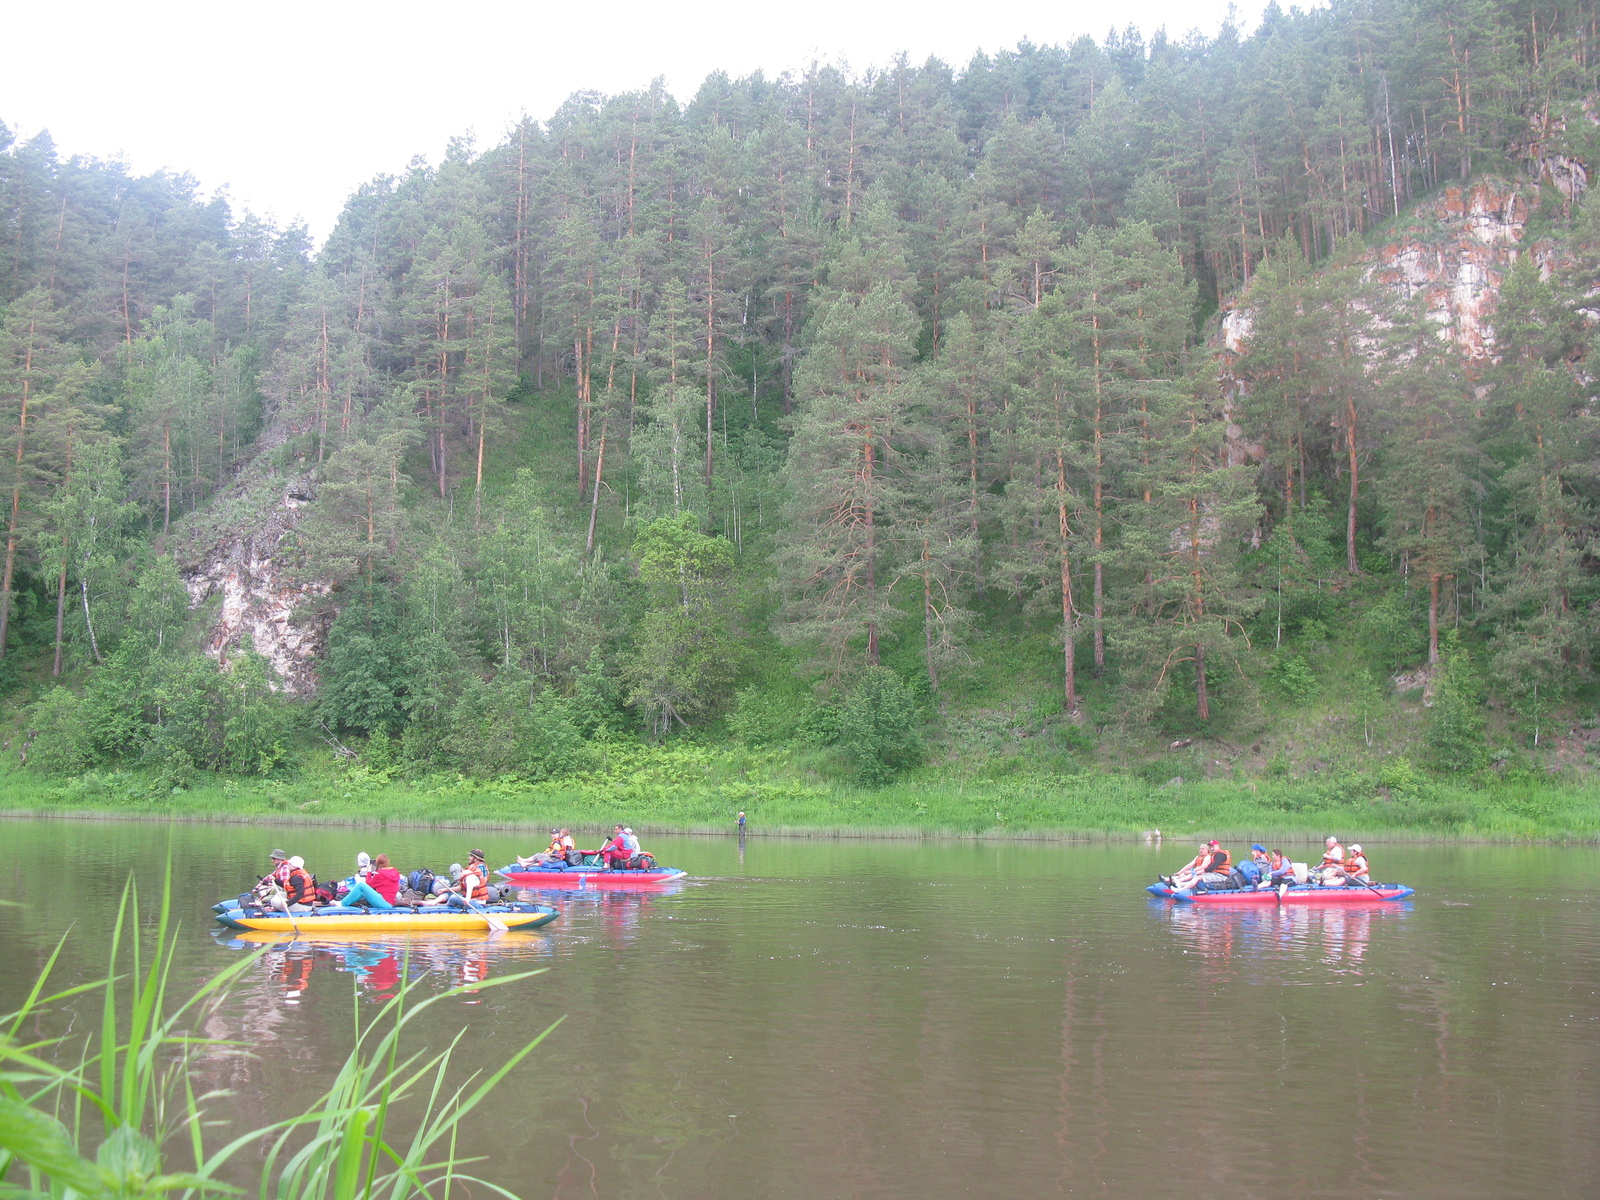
1185, 874
471, 887
299, 889
1354, 870
616, 850
275, 878
1209, 866
381, 887
1280, 871
1331, 869
560, 843
1252, 872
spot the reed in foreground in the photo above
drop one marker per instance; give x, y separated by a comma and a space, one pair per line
109, 1114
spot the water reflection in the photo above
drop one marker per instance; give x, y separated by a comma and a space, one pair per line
1240, 943
614, 917
456, 959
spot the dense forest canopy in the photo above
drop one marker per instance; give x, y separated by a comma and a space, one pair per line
653, 412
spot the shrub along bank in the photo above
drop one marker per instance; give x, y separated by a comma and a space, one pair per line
690, 788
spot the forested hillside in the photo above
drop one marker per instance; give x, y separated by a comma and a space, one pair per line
1051, 409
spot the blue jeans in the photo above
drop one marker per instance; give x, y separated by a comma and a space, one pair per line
362, 890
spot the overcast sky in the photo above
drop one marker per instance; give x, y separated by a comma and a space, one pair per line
289, 106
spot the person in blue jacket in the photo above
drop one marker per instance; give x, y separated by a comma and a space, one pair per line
1254, 870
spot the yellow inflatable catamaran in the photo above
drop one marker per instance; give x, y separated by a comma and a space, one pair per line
439, 919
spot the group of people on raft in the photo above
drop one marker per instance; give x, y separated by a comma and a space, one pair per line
621, 851
1212, 869
289, 887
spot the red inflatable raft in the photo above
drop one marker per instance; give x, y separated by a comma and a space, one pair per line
1354, 893
586, 877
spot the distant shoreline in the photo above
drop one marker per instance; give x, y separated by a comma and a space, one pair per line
1064, 834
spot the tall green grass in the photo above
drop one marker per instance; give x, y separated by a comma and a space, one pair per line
107, 1116
704, 793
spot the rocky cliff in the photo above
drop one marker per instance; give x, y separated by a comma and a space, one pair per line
235, 564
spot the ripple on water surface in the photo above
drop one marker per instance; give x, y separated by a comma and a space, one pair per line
819, 1019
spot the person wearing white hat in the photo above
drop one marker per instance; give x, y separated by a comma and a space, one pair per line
1355, 865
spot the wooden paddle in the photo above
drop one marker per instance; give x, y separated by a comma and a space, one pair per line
494, 922
1349, 878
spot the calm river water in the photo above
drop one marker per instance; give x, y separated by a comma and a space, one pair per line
841, 1019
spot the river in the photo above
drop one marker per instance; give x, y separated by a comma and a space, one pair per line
819, 1019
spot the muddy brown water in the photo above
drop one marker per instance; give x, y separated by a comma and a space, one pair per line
859, 1018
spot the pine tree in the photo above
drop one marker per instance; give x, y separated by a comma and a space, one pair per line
32, 358
854, 394
1423, 495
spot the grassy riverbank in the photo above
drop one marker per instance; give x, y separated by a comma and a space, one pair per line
701, 789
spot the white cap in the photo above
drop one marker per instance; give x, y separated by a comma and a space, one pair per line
625, 829
1355, 849
297, 861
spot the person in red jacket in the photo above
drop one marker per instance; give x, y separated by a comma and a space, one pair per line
379, 889
617, 849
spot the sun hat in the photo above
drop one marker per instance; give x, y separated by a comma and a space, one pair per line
1260, 847
297, 861
279, 855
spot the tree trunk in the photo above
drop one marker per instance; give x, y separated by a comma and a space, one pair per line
927, 619
61, 610
94, 643
599, 472
16, 496
711, 378
1068, 649
1202, 701
1433, 617
1355, 487
872, 561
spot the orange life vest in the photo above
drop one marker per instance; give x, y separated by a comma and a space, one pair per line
479, 890
1333, 857
1356, 865
300, 887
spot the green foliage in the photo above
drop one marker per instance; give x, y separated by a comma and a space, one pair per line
763, 717
877, 726
510, 725
1456, 728
970, 372
687, 655
60, 739
255, 722
1295, 678
1394, 630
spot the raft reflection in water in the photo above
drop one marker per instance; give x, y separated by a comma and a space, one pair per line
1227, 940
454, 959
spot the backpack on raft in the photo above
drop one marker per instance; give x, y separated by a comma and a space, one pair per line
421, 880
327, 893
642, 862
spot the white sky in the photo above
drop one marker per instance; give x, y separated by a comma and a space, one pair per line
289, 106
